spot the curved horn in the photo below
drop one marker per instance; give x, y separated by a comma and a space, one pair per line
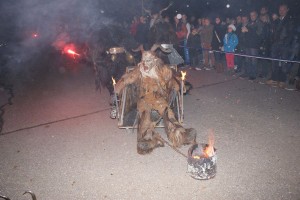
140, 48
147, 11
165, 50
4, 197
166, 8
31, 193
155, 47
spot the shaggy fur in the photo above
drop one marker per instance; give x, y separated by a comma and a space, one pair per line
156, 83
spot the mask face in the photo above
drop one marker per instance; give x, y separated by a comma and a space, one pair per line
149, 61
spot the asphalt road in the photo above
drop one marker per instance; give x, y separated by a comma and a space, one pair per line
256, 131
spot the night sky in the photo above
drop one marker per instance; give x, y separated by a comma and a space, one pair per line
201, 8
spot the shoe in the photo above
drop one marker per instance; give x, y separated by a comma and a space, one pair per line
282, 85
271, 82
198, 69
207, 68
252, 78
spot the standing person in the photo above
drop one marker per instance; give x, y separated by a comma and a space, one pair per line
181, 31
186, 50
254, 38
206, 39
238, 21
217, 42
133, 26
264, 11
194, 41
282, 38
230, 43
265, 47
240, 61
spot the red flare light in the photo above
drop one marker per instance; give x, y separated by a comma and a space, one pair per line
70, 51
35, 35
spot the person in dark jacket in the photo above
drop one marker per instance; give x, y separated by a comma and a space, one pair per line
241, 48
194, 42
217, 42
282, 39
254, 38
265, 47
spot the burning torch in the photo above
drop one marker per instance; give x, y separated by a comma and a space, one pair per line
183, 74
116, 97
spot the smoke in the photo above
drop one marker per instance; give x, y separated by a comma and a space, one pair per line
31, 26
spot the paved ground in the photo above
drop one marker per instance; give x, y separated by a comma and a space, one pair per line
256, 130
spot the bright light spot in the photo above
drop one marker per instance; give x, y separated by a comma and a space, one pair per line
228, 6
35, 35
102, 11
188, 6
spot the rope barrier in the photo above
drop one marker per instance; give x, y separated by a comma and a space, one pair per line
244, 55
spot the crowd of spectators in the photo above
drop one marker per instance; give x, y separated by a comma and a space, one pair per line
233, 45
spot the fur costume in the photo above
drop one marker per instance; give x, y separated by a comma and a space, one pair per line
156, 84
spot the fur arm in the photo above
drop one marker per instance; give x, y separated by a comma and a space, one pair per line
168, 77
127, 79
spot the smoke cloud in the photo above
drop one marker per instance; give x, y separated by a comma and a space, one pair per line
30, 26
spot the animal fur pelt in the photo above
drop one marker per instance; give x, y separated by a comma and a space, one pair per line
156, 83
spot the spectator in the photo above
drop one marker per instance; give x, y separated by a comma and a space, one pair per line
133, 26
283, 37
275, 17
274, 23
228, 21
180, 27
194, 41
206, 39
167, 19
264, 11
265, 46
253, 38
217, 42
241, 48
193, 22
181, 31
230, 43
199, 25
238, 20
186, 50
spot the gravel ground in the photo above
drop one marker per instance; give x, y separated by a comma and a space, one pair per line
256, 131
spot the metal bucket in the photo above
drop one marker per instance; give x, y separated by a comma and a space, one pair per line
201, 168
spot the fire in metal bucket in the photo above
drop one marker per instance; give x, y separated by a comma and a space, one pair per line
202, 160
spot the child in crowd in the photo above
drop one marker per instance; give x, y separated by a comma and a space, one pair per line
230, 43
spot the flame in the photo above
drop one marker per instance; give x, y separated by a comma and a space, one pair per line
70, 51
113, 80
196, 157
209, 150
183, 74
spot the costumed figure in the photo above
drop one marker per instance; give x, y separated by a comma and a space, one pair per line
156, 87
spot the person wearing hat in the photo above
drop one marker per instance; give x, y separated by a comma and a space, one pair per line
230, 43
181, 31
